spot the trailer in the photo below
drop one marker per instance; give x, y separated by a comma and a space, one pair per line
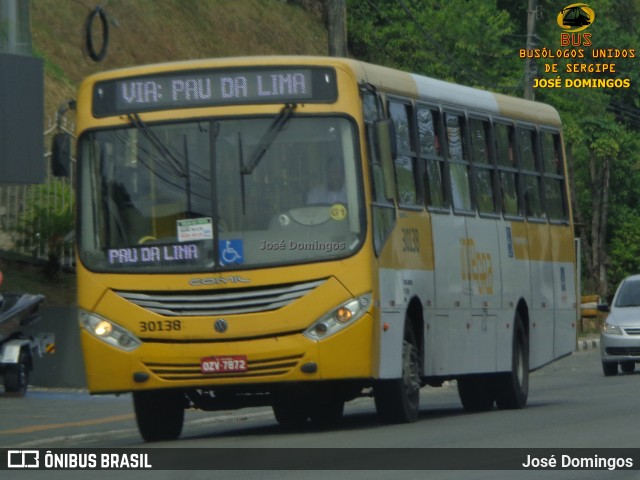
20, 342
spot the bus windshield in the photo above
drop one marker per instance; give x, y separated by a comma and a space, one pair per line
179, 197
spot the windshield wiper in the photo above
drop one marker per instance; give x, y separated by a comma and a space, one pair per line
269, 136
135, 119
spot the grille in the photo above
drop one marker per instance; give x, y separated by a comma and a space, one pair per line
628, 351
255, 368
632, 331
220, 302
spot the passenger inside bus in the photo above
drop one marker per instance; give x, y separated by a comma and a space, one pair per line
332, 190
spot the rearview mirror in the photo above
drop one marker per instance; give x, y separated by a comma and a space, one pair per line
61, 155
387, 151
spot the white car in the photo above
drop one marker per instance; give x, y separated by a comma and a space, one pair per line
620, 336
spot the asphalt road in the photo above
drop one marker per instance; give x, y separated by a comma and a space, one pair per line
571, 405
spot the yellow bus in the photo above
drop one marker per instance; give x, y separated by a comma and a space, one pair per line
298, 231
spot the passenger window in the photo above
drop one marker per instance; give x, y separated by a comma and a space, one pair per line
532, 196
431, 154
479, 131
508, 173
504, 145
551, 154
509, 185
553, 183
428, 131
458, 164
483, 169
405, 163
554, 199
526, 149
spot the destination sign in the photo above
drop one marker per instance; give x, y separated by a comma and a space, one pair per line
213, 87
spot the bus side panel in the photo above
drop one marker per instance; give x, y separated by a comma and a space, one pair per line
514, 260
541, 307
468, 297
562, 250
483, 252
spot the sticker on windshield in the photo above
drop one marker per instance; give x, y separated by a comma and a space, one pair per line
193, 229
231, 251
338, 211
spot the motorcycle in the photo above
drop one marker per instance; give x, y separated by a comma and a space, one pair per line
19, 343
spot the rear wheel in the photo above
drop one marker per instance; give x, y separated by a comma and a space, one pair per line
398, 401
512, 388
159, 414
610, 368
16, 376
628, 366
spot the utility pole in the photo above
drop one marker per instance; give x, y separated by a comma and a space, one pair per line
337, 27
530, 68
15, 30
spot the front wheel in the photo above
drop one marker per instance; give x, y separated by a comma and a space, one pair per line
16, 376
512, 388
610, 368
398, 401
159, 414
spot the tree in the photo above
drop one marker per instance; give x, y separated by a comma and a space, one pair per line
466, 41
600, 131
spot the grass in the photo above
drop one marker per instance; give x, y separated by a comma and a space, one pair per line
152, 31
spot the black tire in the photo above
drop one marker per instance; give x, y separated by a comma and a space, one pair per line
628, 366
610, 368
327, 411
512, 388
16, 376
159, 414
398, 400
291, 408
289, 415
476, 392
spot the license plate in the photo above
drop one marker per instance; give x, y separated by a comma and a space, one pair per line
223, 364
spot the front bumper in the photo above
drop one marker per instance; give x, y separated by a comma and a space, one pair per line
277, 359
619, 348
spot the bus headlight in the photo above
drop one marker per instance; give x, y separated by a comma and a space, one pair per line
108, 331
338, 318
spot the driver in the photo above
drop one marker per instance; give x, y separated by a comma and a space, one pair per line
333, 190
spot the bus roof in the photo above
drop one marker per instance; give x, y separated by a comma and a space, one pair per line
383, 78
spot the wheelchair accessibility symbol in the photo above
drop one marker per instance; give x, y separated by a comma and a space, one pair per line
231, 251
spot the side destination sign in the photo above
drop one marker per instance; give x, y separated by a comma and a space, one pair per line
200, 88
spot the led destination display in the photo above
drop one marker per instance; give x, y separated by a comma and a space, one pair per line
213, 87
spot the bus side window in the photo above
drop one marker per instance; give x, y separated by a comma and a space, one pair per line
383, 211
483, 170
458, 162
553, 183
507, 169
431, 153
531, 176
405, 163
